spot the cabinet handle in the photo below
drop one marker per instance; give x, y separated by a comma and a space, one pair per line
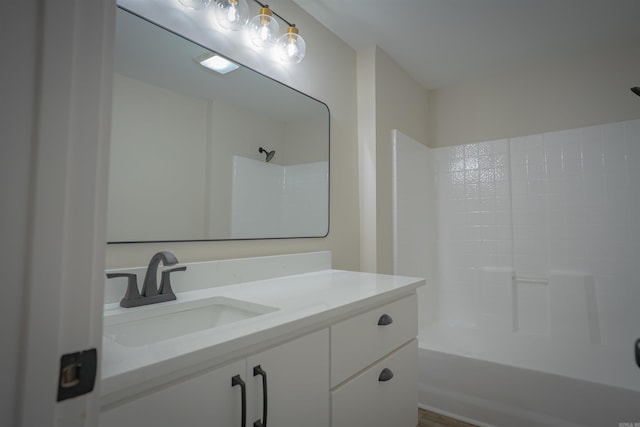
257, 370
385, 320
385, 375
236, 380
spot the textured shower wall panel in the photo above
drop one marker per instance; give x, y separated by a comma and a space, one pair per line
269, 200
532, 307
496, 302
530, 207
414, 234
474, 217
414, 177
576, 212
257, 187
304, 200
612, 248
573, 313
562, 210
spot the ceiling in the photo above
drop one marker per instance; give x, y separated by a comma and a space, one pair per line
451, 42
149, 53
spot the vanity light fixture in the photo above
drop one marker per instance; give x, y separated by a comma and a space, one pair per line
232, 14
216, 63
263, 28
291, 46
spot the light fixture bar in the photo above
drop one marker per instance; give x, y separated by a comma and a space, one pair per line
276, 14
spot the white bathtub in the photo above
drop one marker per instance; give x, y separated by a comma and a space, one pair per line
523, 365
509, 381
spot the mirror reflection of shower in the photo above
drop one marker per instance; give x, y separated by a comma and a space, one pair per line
269, 154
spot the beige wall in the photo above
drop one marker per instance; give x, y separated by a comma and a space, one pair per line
328, 73
565, 94
158, 154
388, 98
401, 103
366, 72
307, 129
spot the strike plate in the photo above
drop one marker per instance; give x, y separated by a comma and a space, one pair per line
77, 373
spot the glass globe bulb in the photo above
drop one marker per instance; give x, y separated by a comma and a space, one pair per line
291, 46
232, 14
195, 4
264, 29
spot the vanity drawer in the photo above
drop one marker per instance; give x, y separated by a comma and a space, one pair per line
366, 400
359, 341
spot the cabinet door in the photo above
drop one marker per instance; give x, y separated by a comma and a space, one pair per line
206, 399
383, 395
297, 383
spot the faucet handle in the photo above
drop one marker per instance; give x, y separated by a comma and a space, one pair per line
165, 282
133, 294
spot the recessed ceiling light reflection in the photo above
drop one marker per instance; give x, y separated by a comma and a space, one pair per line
216, 63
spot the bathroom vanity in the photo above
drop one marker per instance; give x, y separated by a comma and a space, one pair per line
280, 341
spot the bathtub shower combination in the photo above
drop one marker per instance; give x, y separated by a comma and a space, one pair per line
530, 249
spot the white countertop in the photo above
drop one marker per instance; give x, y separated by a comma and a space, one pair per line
304, 301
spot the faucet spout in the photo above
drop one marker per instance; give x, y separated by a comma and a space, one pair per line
150, 285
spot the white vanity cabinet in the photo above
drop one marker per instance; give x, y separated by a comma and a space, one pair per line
374, 367
298, 383
338, 349
297, 375
194, 401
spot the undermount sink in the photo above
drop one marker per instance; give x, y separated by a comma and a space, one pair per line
152, 324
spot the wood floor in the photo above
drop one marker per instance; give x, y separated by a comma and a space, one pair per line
431, 419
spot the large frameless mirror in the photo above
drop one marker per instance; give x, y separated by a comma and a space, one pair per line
200, 155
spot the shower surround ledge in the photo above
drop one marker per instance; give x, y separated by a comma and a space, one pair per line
309, 295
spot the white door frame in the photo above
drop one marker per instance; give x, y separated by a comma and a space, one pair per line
64, 282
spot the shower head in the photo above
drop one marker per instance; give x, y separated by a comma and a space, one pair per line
269, 154
636, 90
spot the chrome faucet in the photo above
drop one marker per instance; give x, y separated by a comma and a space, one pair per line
151, 294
